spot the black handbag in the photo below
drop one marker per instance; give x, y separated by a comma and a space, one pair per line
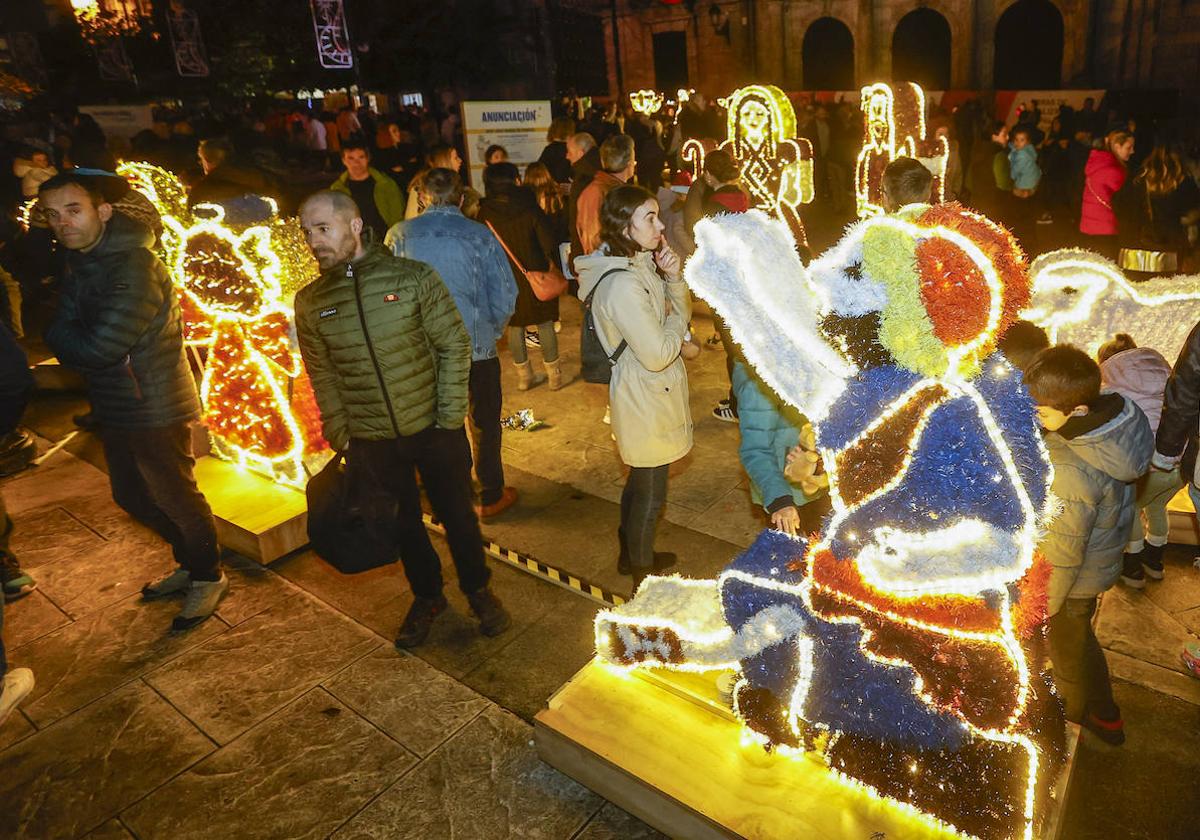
351, 520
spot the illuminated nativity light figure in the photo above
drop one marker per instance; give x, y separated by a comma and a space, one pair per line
777, 166
234, 283
896, 644
894, 127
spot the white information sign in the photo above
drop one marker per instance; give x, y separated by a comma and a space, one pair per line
121, 120
520, 127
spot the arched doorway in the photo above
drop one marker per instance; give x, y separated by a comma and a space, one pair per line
921, 50
1029, 47
828, 56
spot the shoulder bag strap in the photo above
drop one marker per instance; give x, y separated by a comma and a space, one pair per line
588, 305
1095, 194
504, 245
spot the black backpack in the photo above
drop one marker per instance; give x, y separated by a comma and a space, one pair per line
351, 521
594, 364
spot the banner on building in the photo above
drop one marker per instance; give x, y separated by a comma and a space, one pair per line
333, 38
113, 60
520, 127
184, 25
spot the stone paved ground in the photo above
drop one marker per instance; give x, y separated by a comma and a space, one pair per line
291, 715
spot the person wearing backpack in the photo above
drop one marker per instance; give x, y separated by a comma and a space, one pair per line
637, 307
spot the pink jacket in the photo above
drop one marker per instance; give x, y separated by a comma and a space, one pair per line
1103, 176
1140, 375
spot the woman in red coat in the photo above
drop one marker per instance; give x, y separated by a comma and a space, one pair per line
1103, 176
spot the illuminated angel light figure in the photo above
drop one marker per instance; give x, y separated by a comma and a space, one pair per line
777, 166
894, 127
1081, 298
234, 284
648, 102
894, 643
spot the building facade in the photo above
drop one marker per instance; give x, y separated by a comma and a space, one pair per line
716, 45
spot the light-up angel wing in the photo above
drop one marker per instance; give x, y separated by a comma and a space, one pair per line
747, 269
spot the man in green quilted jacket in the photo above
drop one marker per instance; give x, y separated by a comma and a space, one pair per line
389, 360
118, 324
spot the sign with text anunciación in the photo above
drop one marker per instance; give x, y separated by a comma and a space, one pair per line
519, 126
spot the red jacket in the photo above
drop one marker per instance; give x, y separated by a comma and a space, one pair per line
1103, 176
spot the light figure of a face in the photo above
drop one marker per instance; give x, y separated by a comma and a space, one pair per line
754, 118
878, 118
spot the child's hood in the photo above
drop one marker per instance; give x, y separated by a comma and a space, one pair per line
1121, 447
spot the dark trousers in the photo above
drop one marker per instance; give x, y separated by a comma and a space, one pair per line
16, 382
442, 457
484, 392
642, 501
151, 475
1080, 672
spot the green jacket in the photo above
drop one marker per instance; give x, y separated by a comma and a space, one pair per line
118, 324
385, 348
388, 199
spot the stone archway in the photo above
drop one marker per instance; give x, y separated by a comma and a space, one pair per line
828, 56
1029, 47
921, 50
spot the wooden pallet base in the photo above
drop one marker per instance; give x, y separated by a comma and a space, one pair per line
664, 747
1181, 514
255, 516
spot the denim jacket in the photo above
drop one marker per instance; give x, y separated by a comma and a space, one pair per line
471, 263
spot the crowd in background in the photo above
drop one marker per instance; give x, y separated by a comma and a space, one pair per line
610, 207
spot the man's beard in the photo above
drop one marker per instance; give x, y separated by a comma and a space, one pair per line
336, 254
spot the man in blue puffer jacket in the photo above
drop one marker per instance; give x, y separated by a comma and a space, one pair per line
473, 266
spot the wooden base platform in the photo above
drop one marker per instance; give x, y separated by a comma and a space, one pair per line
665, 747
1181, 514
255, 516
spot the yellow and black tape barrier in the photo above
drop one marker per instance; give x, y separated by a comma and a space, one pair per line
535, 567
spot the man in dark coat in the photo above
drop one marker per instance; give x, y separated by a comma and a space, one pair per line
118, 323
584, 155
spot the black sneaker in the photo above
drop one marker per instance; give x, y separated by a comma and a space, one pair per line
1131, 572
14, 580
1111, 732
1152, 563
493, 618
419, 620
662, 560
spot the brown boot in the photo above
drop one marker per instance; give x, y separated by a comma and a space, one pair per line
526, 378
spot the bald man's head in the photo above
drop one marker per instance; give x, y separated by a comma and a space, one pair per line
333, 226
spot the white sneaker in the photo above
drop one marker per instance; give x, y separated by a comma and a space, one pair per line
533, 340
558, 326
608, 422
174, 582
201, 602
17, 684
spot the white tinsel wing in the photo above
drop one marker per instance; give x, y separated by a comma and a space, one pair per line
747, 269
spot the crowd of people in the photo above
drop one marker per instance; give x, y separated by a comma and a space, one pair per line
424, 281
